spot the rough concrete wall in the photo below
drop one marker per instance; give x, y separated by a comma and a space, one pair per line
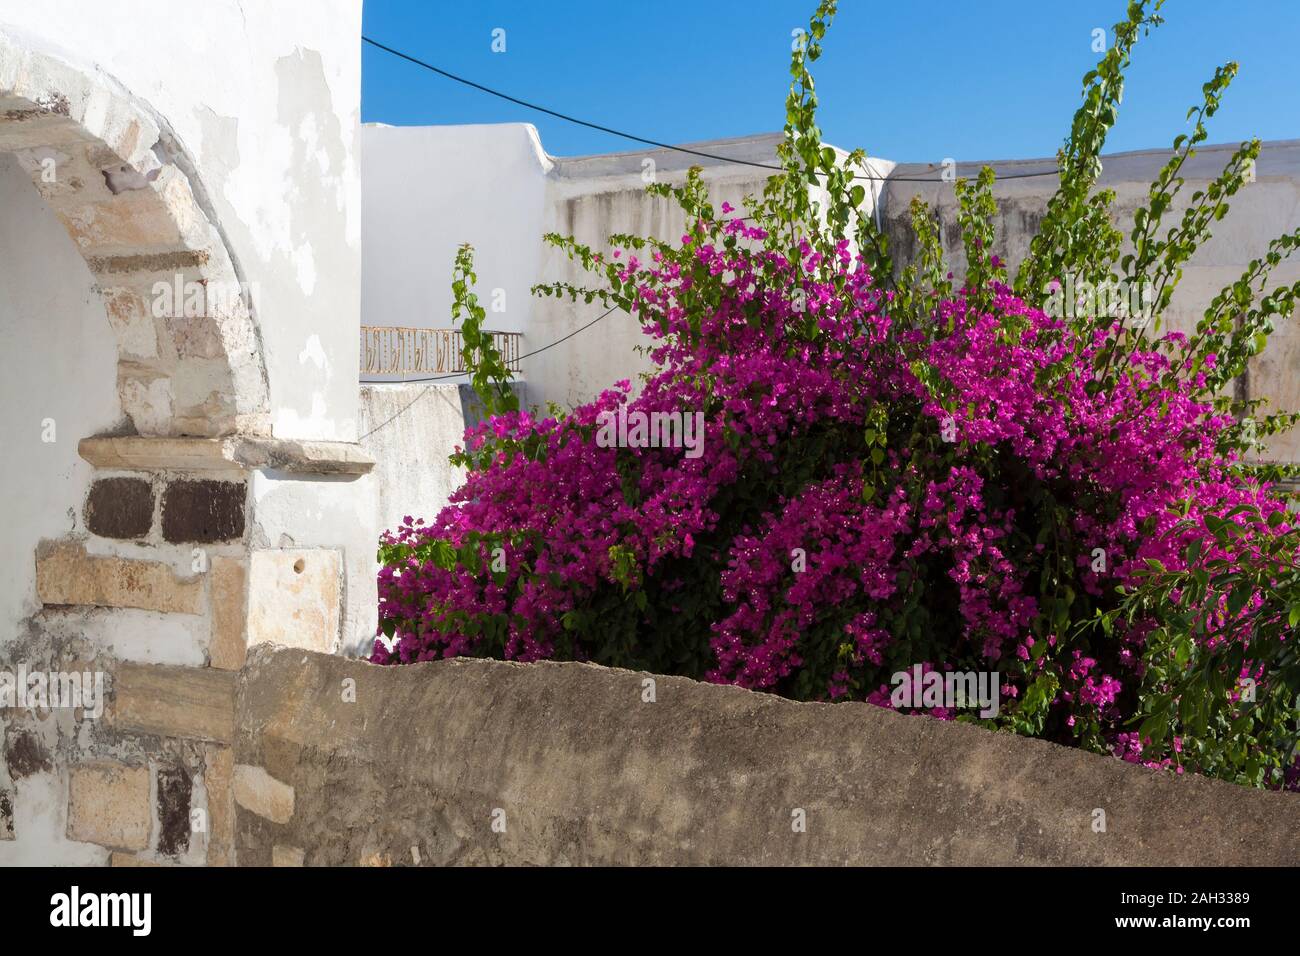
340, 762
1259, 213
413, 429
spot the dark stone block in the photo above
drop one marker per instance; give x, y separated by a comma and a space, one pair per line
25, 754
6, 815
203, 510
120, 507
174, 789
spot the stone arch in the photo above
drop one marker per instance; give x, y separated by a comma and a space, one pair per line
126, 191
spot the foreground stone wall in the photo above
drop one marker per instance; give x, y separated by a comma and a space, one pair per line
338, 762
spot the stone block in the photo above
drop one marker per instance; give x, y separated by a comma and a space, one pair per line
294, 595
203, 510
193, 702
132, 321
174, 791
25, 753
218, 781
260, 793
228, 643
287, 855
120, 508
67, 574
128, 859
6, 814
108, 804
196, 337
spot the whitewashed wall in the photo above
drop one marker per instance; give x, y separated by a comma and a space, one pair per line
266, 97
263, 100
60, 364
428, 189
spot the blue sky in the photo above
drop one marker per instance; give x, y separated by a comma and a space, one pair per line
913, 82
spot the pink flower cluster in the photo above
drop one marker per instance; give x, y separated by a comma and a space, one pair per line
870, 495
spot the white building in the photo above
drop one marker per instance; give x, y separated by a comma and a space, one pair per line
182, 482
426, 190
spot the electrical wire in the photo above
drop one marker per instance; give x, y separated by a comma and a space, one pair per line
645, 140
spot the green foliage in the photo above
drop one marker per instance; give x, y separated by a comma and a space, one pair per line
487, 372
1233, 698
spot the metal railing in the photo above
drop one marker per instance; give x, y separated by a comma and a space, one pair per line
401, 352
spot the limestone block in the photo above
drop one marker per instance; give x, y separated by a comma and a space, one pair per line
108, 804
129, 315
195, 702
129, 859
66, 574
287, 855
258, 792
294, 595
229, 583
218, 781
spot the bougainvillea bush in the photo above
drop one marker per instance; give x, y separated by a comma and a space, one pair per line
896, 470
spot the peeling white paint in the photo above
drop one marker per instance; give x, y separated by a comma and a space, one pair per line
305, 263
313, 352
40, 825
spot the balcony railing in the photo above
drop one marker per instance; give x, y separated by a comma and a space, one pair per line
399, 352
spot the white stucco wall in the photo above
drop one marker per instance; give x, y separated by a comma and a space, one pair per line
60, 363
428, 189
261, 102
266, 98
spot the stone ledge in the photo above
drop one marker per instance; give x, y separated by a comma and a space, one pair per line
581, 770
236, 454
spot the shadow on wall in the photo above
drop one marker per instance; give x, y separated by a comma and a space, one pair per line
410, 429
